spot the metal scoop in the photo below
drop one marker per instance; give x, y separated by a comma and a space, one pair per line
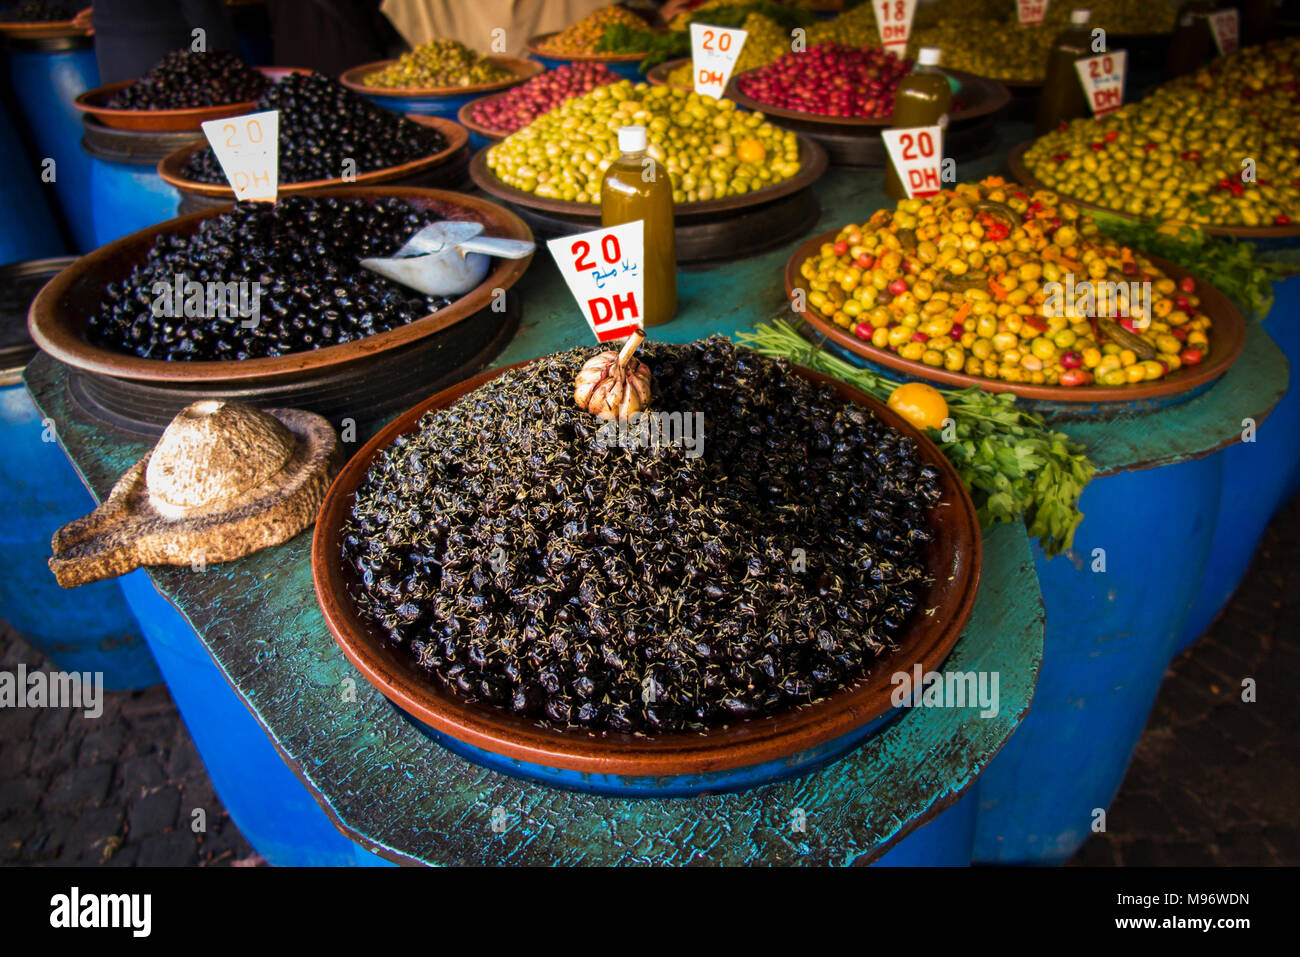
447, 258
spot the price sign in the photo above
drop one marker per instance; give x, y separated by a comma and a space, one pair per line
604, 270
1031, 11
1225, 26
917, 155
248, 149
1102, 77
894, 18
713, 56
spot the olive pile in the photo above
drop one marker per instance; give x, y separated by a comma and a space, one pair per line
36, 11
303, 251
438, 63
184, 80
322, 125
526, 564
710, 148
1178, 154
584, 36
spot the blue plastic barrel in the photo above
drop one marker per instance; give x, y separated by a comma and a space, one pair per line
1259, 477
46, 75
944, 841
83, 629
1109, 637
126, 192
28, 229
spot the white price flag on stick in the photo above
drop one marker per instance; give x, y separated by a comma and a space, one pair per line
894, 18
604, 269
1102, 77
714, 51
248, 149
1225, 25
917, 155
1031, 11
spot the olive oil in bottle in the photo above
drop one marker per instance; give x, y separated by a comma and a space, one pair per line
634, 187
1063, 98
922, 99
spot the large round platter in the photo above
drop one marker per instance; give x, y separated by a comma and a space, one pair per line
718, 228
1227, 337
670, 763
95, 103
172, 166
523, 70
61, 312
1022, 173
465, 117
80, 25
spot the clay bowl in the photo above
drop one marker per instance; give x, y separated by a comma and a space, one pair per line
60, 313
658, 75
743, 754
172, 166
1016, 164
523, 69
39, 29
1227, 337
95, 103
626, 65
465, 117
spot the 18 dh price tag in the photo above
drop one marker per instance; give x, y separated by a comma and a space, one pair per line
604, 269
894, 18
713, 56
1102, 77
1031, 11
248, 149
1224, 25
917, 154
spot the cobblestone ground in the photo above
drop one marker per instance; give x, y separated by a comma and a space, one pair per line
1212, 782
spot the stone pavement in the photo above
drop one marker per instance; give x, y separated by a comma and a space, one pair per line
1211, 783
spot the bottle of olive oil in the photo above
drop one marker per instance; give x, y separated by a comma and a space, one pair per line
637, 187
1063, 98
922, 99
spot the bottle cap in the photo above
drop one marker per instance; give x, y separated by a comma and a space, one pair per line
928, 56
1080, 16
631, 139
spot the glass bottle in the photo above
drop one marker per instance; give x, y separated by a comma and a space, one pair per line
1063, 97
634, 187
923, 98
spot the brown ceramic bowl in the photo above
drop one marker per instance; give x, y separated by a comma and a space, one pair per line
172, 166
981, 97
1016, 163
658, 75
953, 559
1227, 338
61, 311
523, 69
465, 117
533, 47
812, 160
95, 103
38, 29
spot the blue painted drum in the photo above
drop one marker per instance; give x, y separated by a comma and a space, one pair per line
126, 192
47, 75
1110, 634
944, 841
84, 629
271, 807
28, 229
1260, 475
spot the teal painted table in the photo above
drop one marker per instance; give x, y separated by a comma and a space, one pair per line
246, 638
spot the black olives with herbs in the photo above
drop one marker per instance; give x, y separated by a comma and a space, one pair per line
185, 80
36, 11
523, 562
326, 131
303, 253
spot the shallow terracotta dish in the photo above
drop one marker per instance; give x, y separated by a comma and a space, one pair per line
523, 69
780, 742
172, 166
95, 103
61, 311
1022, 173
37, 29
534, 48
1227, 338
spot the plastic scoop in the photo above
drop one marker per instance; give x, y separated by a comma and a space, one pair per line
447, 258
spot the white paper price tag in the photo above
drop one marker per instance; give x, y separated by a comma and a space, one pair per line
894, 18
917, 155
713, 56
1225, 26
248, 149
1031, 11
1102, 77
604, 270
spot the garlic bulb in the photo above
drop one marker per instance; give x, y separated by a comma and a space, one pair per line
614, 385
